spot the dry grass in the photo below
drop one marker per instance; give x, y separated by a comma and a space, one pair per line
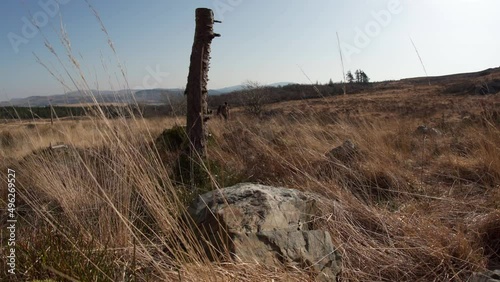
406, 208
18, 139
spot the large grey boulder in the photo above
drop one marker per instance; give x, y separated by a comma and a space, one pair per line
261, 224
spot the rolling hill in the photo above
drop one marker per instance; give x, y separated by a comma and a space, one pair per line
146, 96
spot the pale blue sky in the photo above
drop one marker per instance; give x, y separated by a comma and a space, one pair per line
262, 40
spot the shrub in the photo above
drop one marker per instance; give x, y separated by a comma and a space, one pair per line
173, 139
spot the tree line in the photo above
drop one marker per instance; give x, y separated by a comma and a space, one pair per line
358, 77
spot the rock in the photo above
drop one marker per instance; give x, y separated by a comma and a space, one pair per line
267, 225
424, 130
488, 276
345, 152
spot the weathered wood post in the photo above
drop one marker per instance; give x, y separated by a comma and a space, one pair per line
196, 89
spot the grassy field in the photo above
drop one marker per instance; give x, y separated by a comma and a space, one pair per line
411, 207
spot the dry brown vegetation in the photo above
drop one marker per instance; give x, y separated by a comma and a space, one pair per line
408, 207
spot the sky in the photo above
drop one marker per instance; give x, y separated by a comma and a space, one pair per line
265, 41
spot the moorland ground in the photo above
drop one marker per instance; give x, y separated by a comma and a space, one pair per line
411, 206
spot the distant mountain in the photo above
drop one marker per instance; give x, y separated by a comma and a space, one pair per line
242, 86
226, 90
146, 96
279, 84
68, 98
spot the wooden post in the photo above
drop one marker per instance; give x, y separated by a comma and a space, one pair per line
196, 89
